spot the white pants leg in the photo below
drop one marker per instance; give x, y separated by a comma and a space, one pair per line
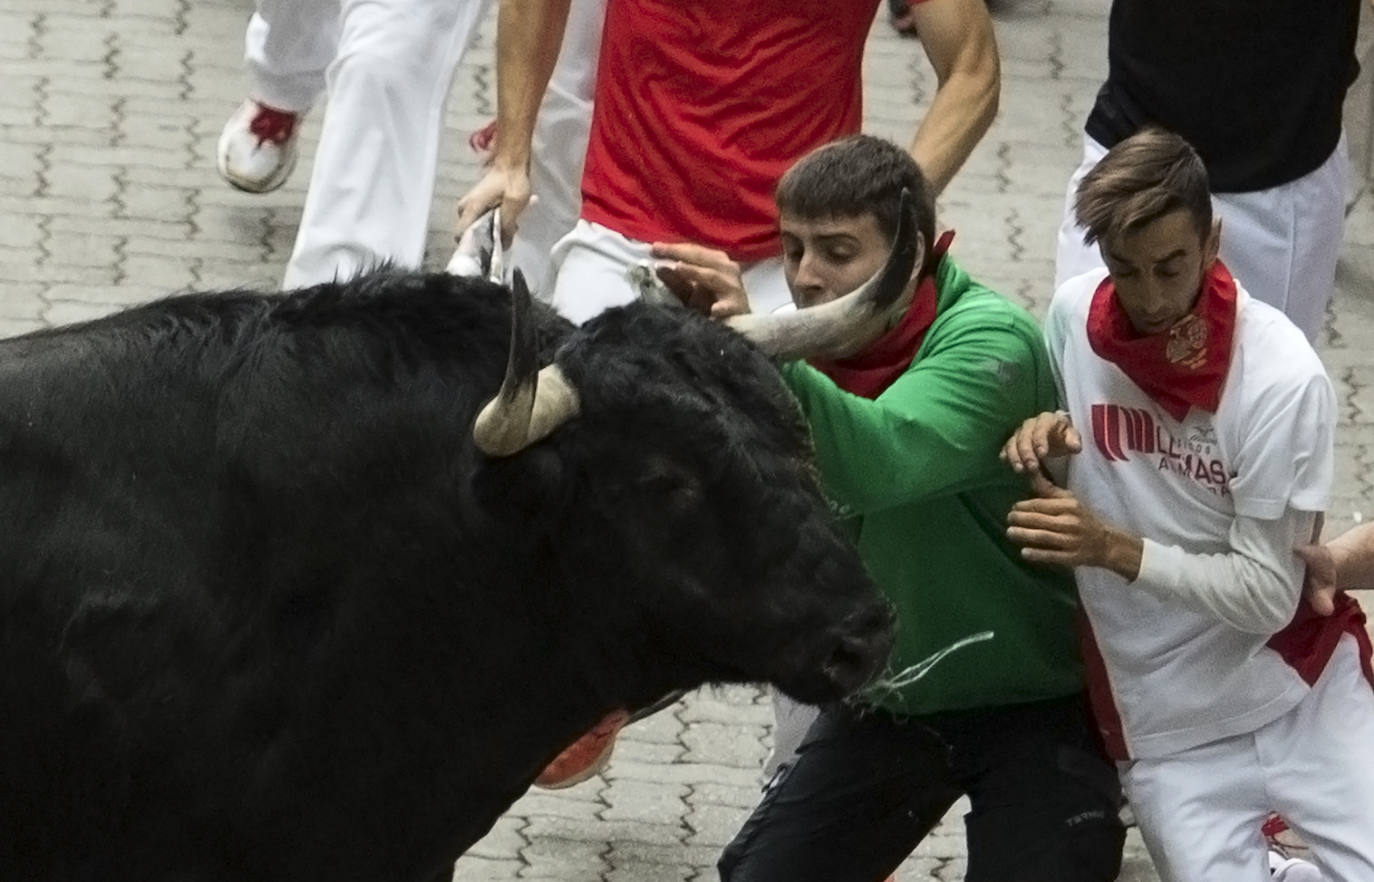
287, 48
1282, 244
1072, 257
1200, 811
791, 720
1319, 765
591, 265
373, 180
560, 147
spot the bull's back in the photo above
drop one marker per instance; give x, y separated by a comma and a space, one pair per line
200, 496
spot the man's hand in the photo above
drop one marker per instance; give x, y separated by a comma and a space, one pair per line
1319, 583
1055, 528
1038, 438
705, 279
506, 187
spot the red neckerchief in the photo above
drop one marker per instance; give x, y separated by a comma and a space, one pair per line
877, 367
1182, 367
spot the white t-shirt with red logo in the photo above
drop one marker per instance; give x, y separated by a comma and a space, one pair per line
1167, 675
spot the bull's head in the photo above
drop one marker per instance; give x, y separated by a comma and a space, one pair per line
697, 504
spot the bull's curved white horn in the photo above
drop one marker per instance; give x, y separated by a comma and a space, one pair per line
532, 401
831, 329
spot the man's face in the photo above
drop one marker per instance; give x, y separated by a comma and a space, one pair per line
1157, 269
823, 259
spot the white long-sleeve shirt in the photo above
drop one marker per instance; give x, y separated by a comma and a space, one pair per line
1221, 499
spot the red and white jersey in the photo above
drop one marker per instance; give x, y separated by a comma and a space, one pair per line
701, 106
1173, 677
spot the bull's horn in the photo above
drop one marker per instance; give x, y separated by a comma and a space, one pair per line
532, 401
831, 329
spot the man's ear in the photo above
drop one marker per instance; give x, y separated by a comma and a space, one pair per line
1212, 246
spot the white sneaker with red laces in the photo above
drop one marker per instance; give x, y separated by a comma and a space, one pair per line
257, 148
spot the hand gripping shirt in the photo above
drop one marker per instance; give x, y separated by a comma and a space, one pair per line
1166, 676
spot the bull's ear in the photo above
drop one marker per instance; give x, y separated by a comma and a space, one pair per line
525, 491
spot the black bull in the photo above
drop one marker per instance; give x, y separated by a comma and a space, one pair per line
266, 613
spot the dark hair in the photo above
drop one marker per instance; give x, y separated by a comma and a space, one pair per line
855, 176
1143, 178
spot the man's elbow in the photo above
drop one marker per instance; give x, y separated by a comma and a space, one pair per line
1270, 612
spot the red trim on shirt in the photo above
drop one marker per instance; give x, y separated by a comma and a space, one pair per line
1100, 695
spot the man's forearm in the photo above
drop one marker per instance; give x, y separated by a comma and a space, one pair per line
529, 34
959, 116
1254, 587
959, 42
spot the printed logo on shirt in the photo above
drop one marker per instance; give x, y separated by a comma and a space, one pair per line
1119, 432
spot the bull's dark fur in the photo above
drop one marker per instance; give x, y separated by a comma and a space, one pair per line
266, 614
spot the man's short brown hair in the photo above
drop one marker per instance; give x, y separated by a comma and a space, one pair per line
859, 175
1146, 176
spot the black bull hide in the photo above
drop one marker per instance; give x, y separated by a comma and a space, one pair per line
267, 614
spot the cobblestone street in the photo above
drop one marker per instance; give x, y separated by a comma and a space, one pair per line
109, 197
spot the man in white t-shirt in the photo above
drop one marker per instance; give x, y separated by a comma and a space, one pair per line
1199, 423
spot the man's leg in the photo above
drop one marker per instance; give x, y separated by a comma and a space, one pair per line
373, 179
590, 267
287, 48
1282, 244
1044, 797
791, 721
1200, 811
560, 147
767, 286
863, 791
1318, 763
1072, 257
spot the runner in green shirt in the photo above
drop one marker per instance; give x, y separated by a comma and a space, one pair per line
907, 429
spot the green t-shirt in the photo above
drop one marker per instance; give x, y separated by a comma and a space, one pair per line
915, 473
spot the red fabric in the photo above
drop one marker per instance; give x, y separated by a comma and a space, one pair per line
1100, 696
272, 124
1309, 640
887, 358
701, 107
1182, 367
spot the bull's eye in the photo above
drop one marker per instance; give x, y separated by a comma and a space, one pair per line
675, 491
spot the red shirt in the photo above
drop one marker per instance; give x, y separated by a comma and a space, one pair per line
701, 105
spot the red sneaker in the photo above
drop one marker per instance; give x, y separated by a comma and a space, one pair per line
586, 756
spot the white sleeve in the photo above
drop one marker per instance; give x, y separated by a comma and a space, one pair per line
1287, 458
1254, 587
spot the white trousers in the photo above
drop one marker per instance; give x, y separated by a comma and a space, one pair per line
1200, 811
1281, 244
791, 720
591, 266
560, 147
387, 66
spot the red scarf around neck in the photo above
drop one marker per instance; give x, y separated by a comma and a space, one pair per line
1182, 367
871, 371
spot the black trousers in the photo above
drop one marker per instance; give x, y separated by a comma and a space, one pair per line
867, 786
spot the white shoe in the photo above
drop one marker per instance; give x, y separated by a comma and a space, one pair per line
257, 148
1286, 869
